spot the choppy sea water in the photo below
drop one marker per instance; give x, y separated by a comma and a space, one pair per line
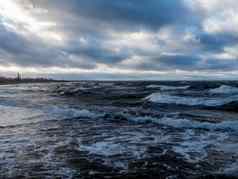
119, 130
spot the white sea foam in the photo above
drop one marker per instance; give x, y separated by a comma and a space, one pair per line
194, 146
104, 148
56, 112
110, 149
107, 148
185, 123
106, 84
153, 86
167, 88
190, 101
224, 89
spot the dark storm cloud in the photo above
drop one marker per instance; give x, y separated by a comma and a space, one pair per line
100, 55
84, 34
15, 49
94, 51
214, 42
217, 64
178, 61
78, 18
184, 62
129, 13
11, 42
168, 62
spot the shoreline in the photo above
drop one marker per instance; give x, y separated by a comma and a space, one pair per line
13, 82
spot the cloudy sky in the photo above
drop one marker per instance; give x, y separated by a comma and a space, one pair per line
120, 39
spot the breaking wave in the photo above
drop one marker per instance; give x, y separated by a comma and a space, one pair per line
224, 89
167, 88
190, 101
55, 112
186, 123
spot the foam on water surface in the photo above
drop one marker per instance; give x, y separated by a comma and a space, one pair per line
65, 112
164, 87
116, 136
190, 101
224, 89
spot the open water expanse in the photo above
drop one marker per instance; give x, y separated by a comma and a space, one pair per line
119, 130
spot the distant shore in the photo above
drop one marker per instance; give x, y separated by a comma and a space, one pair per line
14, 81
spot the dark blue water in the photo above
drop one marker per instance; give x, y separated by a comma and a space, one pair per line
119, 129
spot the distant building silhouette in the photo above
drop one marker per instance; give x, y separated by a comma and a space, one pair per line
19, 77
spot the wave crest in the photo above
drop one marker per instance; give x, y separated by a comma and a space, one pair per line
190, 101
168, 88
224, 89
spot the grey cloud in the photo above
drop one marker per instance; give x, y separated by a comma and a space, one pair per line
95, 20
154, 14
211, 42
183, 62
15, 49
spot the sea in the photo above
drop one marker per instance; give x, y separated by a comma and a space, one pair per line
119, 129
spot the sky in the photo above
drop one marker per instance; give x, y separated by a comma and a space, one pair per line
119, 39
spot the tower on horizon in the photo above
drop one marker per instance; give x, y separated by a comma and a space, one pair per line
18, 76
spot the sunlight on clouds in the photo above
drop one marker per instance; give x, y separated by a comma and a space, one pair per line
232, 51
218, 56
226, 21
52, 37
14, 13
101, 68
13, 69
132, 40
210, 6
133, 61
21, 20
218, 16
225, 56
177, 41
